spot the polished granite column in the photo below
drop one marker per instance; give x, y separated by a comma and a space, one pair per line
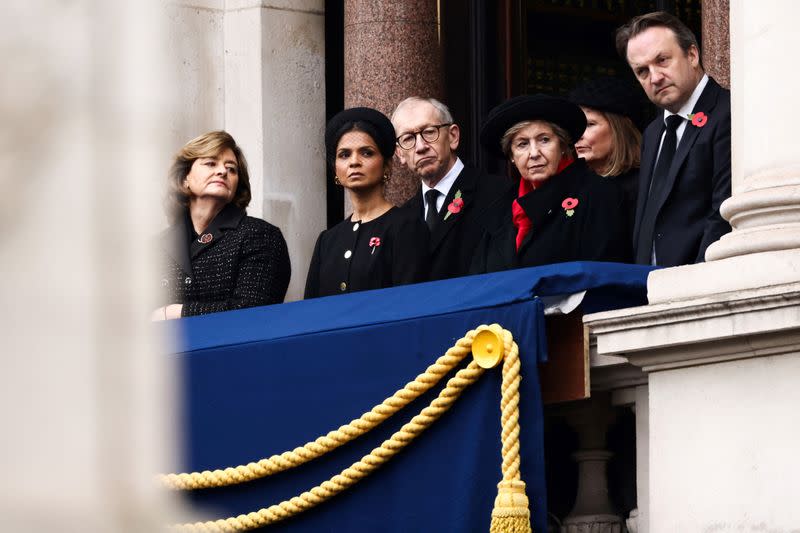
717, 40
392, 50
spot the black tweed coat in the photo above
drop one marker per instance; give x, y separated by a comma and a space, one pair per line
244, 264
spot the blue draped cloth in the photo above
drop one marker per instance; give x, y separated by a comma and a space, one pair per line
260, 381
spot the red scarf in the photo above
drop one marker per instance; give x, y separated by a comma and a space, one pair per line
518, 215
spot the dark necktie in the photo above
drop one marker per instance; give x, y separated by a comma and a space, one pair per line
432, 216
658, 188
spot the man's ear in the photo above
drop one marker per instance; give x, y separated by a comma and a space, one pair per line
694, 56
455, 136
400, 155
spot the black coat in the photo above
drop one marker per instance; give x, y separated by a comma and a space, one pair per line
596, 231
629, 183
345, 261
699, 180
245, 264
452, 246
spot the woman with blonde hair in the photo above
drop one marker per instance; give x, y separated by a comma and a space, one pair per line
215, 257
612, 142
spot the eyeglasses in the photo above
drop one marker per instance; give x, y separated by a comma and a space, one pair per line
430, 134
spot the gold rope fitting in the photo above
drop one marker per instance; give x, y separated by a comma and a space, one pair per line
487, 347
511, 513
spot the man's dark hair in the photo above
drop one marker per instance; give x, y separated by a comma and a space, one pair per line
637, 25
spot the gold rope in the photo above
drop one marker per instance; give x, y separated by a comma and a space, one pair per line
311, 450
511, 513
508, 515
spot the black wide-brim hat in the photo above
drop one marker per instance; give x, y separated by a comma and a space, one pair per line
610, 95
379, 127
531, 107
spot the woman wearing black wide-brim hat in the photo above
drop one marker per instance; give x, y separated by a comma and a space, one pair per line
564, 211
378, 245
612, 142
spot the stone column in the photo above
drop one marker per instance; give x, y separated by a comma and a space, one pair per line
765, 207
764, 210
717, 40
392, 50
275, 107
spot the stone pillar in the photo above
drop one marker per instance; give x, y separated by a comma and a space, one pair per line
717, 40
765, 207
392, 50
275, 107
764, 210
86, 404
196, 44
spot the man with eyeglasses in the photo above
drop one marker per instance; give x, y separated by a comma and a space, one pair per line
457, 202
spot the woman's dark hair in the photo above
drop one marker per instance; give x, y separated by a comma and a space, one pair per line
357, 125
365, 119
209, 144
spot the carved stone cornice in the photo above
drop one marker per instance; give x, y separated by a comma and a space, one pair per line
729, 326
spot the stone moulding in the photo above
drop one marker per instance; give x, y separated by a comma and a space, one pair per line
731, 326
764, 213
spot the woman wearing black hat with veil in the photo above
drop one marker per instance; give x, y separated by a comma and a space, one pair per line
379, 245
564, 211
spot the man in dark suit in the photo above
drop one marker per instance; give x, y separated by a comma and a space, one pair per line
457, 202
686, 151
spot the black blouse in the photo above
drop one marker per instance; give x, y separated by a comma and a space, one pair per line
354, 256
238, 262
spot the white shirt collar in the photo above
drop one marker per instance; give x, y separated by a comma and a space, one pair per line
688, 107
444, 184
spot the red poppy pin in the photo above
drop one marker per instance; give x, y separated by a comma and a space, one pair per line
569, 205
698, 119
374, 243
455, 206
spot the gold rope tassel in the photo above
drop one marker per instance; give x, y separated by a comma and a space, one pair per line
511, 513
